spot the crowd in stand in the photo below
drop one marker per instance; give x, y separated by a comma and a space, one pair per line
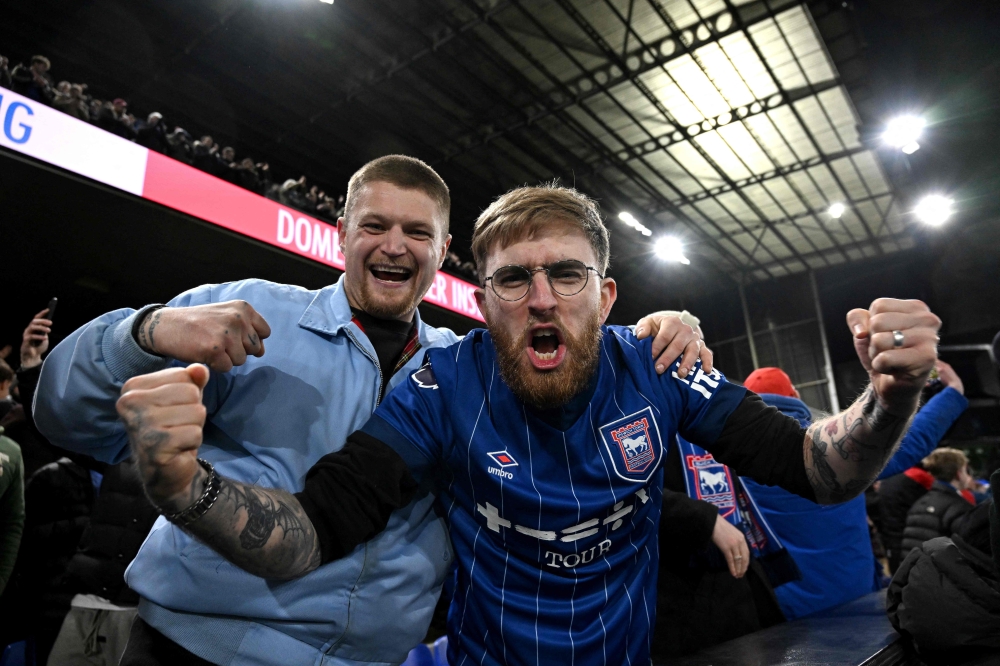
35, 82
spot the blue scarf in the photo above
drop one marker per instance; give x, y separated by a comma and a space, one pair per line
710, 481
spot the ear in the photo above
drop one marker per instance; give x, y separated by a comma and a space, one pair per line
444, 250
609, 294
480, 294
341, 233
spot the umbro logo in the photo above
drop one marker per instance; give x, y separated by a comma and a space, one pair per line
503, 458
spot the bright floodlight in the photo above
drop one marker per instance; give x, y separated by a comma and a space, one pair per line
328, 2
627, 218
934, 209
903, 132
837, 210
670, 248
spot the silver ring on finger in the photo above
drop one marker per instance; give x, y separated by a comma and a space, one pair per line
897, 339
737, 557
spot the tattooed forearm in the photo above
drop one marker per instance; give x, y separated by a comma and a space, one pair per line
845, 453
262, 530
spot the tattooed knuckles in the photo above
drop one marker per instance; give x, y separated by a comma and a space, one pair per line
220, 335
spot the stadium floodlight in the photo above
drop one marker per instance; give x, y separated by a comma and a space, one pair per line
670, 248
836, 210
627, 218
902, 132
934, 209
327, 2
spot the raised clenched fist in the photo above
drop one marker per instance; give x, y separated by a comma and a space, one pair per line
897, 343
220, 335
164, 417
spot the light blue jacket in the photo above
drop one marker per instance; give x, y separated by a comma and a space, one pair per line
269, 421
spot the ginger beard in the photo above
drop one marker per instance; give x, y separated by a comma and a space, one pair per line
547, 389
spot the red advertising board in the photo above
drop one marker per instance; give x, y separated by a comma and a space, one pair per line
53, 137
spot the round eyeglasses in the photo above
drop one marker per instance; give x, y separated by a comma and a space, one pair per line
567, 278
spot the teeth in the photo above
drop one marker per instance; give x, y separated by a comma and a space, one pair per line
550, 356
391, 269
541, 334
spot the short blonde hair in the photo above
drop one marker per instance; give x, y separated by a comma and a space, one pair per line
405, 172
522, 212
945, 463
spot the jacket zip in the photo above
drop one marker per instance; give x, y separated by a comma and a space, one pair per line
371, 358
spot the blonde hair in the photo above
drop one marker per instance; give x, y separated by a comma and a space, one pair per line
522, 212
404, 172
945, 463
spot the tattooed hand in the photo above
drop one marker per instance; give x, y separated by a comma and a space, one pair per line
263, 530
220, 335
845, 453
164, 416
897, 373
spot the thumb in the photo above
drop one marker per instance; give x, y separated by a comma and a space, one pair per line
857, 321
199, 374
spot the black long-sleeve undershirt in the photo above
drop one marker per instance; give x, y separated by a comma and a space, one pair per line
350, 494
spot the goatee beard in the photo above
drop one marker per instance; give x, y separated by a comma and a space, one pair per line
381, 309
551, 388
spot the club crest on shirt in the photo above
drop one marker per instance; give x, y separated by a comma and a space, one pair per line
633, 443
713, 482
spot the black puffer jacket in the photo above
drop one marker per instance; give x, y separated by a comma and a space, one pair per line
938, 513
946, 598
120, 520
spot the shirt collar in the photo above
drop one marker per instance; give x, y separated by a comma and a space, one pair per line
330, 311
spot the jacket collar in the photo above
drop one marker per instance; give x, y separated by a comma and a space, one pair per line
330, 311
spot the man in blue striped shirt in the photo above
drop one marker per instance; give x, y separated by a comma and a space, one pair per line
544, 440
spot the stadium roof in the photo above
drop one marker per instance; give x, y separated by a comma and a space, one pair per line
727, 124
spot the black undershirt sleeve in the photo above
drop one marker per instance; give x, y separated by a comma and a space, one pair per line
350, 494
760, 442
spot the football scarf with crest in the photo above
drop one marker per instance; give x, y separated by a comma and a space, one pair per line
710, 481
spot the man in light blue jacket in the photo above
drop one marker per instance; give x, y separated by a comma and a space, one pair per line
330, 357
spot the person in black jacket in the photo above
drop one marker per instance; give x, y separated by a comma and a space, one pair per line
942, 511
709, 588
96, 629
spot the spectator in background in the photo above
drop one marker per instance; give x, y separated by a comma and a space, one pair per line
179, 145
6, 381
203, 154
153, 133
5, 80
942, 510
103, 607
225, 167
831, 544
245, 175
11, 505
96, 111
19, 424
34, 82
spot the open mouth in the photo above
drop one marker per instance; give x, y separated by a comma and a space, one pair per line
545, 346
390, 273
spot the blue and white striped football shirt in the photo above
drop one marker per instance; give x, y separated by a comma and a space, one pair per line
555, 532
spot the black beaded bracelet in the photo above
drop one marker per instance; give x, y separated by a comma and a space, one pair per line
211, 493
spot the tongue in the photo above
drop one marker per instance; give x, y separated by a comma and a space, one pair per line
544, 344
